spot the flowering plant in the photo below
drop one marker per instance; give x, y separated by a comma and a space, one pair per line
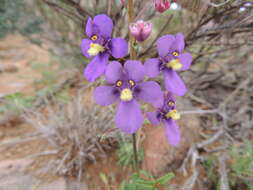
129, 82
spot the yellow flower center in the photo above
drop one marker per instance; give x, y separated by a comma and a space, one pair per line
174, 114
95, 49
174, 64
131, 82
126, 95
175, 54
94, 38
171, 103
119, 83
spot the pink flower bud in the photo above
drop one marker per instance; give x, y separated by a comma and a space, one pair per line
123, 2
140, 30
162, 5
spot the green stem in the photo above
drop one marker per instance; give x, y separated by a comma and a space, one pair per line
136, 167
130, 12
130, 7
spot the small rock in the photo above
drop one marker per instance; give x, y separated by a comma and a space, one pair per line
10, 167
8, 69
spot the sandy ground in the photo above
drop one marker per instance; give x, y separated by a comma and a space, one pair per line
16, 56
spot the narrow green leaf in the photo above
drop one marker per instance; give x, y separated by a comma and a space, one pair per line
165, 179
103, 178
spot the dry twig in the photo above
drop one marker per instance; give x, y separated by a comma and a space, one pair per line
224, 184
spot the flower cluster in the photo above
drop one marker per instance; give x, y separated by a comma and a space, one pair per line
126, 82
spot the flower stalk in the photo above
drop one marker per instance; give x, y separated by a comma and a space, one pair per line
130, 7
136, 166
130, 12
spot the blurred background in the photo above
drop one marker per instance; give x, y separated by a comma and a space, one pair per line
53, 135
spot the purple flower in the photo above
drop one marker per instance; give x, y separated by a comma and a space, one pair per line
167, 114
140, 30
126, 86
171, 59
99, 45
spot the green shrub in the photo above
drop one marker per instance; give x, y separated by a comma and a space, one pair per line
125, 154
9, 15
14, 17
145, 181
16, 102
242, 166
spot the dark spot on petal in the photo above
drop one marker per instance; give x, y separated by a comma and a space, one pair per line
137, 89
158, 115
115, 91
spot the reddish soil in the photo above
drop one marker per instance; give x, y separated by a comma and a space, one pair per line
17, 54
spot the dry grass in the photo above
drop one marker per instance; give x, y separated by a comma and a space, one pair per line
78, 132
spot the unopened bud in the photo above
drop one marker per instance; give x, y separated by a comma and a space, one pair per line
140, 30
162, 5
124, 3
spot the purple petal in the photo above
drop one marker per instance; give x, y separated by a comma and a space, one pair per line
89, 27
96, 67
152, 117
106, 95
113, 72
104, 24
168, 97
186, 60
119, 47
179, 42
172, 132
152, 67
174, 83
135, 70
129, 117
150, 92
164, 44
85, 47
